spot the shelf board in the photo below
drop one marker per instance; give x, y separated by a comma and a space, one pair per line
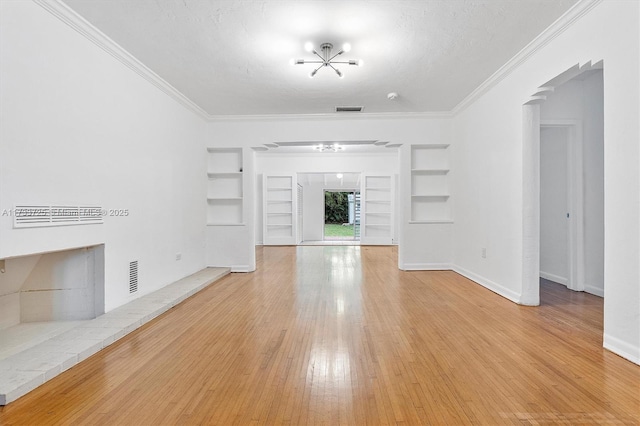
224, 224
377, 188
430, 171
431, 196
379, 213
224, 198
279, 201
432, 221
278, 225
279, 188
378, 225
280, 214
213, 175
378, 201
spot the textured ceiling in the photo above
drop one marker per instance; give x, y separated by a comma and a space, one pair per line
231, 57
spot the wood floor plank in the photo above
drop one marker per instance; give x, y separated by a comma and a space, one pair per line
338, 335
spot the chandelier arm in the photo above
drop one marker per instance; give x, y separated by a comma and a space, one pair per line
339, 62
312, 62
319, 56
336, 70
337, 54
318, 69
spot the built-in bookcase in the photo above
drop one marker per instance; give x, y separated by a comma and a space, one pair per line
279, 197
225, 186
430, 198
377, 220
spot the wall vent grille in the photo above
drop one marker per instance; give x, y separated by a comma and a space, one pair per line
349, 109
34, 216
133, 276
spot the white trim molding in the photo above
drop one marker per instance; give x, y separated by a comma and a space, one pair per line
67, 15
426, 267
622, 348
241, 268
333, 116
555, 278
490, 285
545, 37
595, 290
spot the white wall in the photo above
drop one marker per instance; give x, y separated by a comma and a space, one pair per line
489, 161
419, 245
79, 127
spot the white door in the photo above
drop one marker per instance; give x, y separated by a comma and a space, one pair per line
377, 210
280, 205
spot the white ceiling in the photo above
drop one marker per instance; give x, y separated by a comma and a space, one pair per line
231, 57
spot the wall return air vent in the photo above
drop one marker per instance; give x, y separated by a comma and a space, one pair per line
133, 277
32, 216
349, 108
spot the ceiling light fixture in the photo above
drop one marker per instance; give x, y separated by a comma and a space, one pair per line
328, 147
327, 57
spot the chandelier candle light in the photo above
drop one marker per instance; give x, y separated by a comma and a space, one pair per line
327, 58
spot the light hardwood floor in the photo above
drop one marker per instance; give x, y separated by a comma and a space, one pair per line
338, 335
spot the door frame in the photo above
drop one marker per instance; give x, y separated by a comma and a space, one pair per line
575, 199
532, 123
324, 206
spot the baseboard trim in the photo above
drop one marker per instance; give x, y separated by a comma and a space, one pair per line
426, 267
488, 284
555, 278
596, 291
240, 268
621, 348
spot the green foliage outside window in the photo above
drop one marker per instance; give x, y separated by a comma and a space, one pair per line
336, 207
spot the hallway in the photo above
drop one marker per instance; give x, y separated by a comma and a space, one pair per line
339, 335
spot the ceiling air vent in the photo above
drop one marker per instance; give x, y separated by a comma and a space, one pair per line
349, 109
133, 276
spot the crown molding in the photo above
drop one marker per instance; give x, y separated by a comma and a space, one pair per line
332, 116
551, 32
83, 27
67, 15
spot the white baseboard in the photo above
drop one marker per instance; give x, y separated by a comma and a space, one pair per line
555, 278
495, 287
240, 268
596, 291
624, 349
426, 267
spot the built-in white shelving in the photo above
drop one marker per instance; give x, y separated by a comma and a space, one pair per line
225, 187
377, 210
279, 209
430, 199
